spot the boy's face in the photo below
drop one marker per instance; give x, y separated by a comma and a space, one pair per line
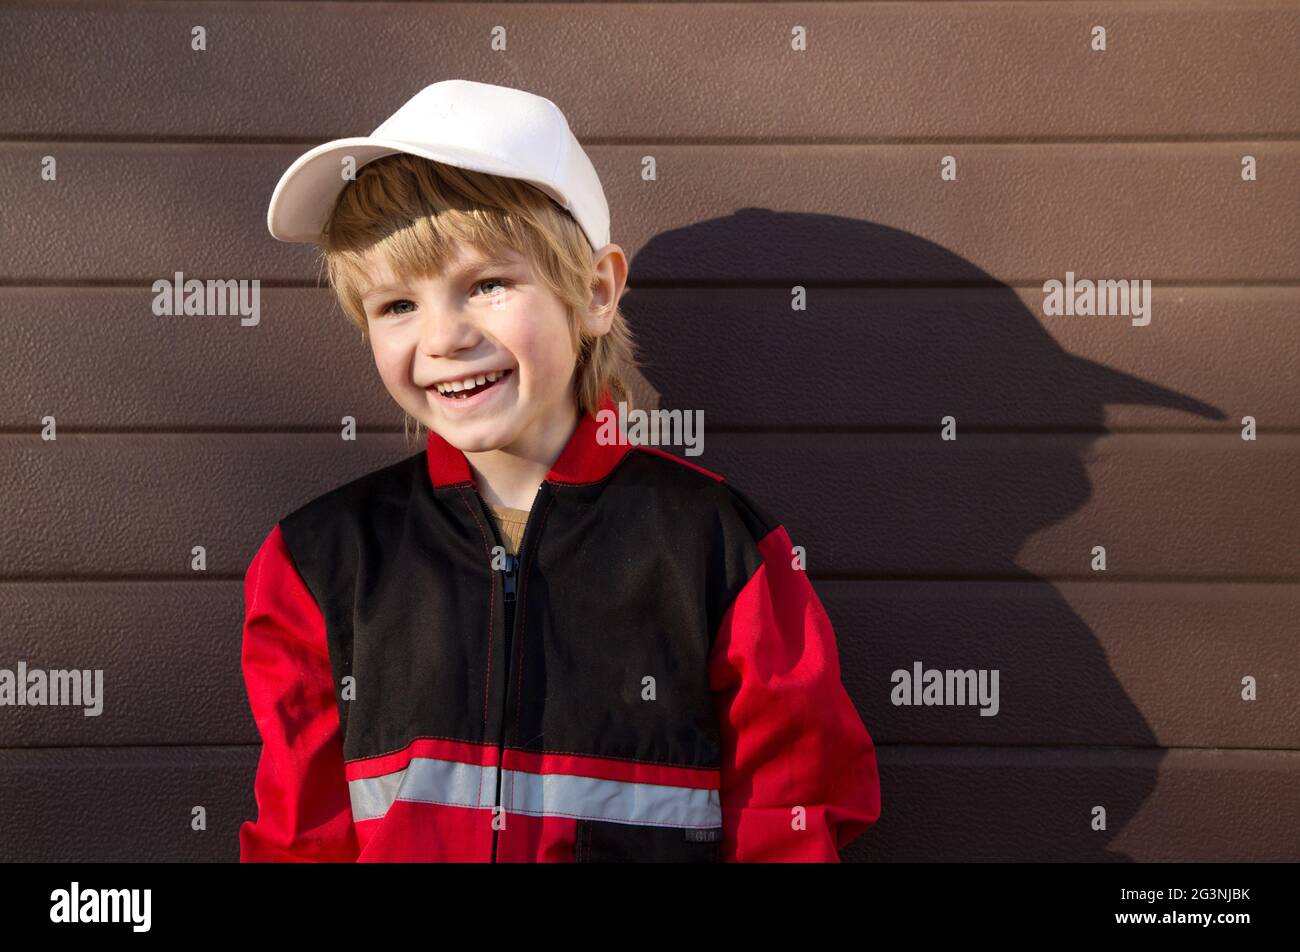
475, 318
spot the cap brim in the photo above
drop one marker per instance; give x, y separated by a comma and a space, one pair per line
305, 195
1113, 386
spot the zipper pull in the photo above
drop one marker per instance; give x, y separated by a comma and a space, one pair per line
512, 565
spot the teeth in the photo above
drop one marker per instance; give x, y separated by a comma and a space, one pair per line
469, 383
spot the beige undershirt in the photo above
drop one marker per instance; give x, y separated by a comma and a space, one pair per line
511, 522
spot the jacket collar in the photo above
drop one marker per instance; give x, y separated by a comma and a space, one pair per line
583, 460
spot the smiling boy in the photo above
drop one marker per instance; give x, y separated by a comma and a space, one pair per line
529, 642
510, 428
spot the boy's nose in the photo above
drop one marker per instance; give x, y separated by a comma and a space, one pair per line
443, 333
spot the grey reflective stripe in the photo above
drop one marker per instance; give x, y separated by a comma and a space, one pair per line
621, 801
429, 780
424, 780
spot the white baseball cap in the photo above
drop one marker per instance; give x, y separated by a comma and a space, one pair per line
476, 126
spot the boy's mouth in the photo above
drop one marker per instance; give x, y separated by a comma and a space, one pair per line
469, 388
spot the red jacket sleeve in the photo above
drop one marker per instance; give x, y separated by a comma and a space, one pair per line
790, 734
304, 812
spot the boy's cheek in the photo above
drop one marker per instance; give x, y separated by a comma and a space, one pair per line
388, 361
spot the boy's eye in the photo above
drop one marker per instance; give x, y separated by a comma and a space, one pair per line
394, 304
388, 308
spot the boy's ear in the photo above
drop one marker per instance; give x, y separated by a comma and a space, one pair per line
610, 267
598, 320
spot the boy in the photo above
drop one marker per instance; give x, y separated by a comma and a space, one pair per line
528, 643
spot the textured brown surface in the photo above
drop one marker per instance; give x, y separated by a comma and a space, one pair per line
924, 300
1082, 664
962, 804
861, 358
799, 214
939, 70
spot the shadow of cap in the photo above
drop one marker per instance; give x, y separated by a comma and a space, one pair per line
1021, 363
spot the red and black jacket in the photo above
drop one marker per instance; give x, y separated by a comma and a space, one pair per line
651, 680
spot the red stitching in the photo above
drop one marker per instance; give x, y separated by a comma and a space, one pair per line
395, 750
492, 581
436, 803
625, 821
523, 615
574, 753
630, 760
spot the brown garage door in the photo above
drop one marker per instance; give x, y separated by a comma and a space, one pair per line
921, 170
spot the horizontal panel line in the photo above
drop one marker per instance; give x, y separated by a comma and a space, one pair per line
900, 746
1128, 578
1021, 284
1108, 578
985, 430
1209, 432
686, 141
926, 745
619, 3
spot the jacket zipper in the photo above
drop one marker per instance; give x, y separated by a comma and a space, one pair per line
510, 583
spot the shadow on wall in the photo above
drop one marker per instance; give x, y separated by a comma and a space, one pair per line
1019, 785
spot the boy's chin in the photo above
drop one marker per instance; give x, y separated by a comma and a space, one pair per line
472, 439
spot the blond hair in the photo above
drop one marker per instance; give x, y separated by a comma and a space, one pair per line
415, 213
